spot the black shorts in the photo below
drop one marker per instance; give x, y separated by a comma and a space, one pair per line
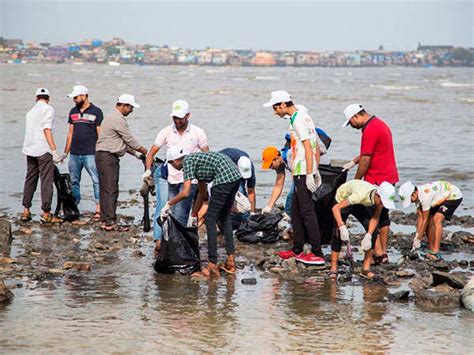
447, 208
384, 217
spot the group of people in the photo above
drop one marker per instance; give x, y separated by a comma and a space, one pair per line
198, 186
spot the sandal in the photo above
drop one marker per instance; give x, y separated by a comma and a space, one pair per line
229, 265
431, 255
116, 228
367, 274
332, 275
49, 218
385, 259
209, 270
378, 259
25, 217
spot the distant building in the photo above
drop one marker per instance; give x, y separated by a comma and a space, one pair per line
264, 59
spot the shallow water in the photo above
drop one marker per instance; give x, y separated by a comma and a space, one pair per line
123, 306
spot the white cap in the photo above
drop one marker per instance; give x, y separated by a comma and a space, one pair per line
127, 99
301, 108
386, 191
350, 111
42, 91
78, 90
278, 97
180, 108
245, 167
175, 152
405, 192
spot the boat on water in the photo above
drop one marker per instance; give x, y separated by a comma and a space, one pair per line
114, 64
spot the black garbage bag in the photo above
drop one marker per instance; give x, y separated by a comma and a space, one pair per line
66, 208
260, 228
323, 198
179, 248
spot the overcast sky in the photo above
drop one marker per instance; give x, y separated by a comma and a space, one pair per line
274, 25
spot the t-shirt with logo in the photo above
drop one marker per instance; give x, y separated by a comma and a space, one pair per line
357, 192
84, 135
301, 129
435, 193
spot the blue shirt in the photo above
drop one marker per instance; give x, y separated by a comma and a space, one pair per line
235, 154
84, 135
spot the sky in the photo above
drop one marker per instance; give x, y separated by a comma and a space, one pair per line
264, 25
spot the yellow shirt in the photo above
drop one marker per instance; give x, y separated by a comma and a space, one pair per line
358, 192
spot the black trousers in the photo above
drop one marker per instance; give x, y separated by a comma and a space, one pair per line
304, 219
108, 167
41, 167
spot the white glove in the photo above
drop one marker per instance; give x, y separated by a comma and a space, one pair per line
348, 166
146, 175
366, 243
165, 211
266, 209
193, 221
344, 232
310, 183
138, 155
318, 179
416, 243
57, 158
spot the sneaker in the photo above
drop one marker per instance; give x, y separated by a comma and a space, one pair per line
310, 259
286, 254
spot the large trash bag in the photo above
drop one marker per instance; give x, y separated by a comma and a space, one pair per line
179, 248
323, 198
260, 228
66, 208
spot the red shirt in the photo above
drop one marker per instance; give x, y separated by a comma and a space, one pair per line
377, 142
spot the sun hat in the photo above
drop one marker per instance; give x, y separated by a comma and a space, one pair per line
78, 90
350, 111
386, 191
405, 191
245, 167
175, 152
180, 108
127, 99
278, 97
269, 153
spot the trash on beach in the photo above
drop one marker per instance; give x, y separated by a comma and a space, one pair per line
260, 228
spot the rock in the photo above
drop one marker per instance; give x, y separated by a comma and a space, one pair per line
421, 282
399, 295
391, 280
289, 263
463, 264
276, 269
5, 236
440, 264
79, 266
405, 273
6, 260
249, 281
439, 297
55, 271
5, 294
452, 279
137, 253
467, 295
468, 239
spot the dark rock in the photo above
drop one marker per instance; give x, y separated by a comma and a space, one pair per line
405, 273
249, 281
454, 280
463, 264
421, 282
5, 236
399, 295
439, 264
439, 297
5, 294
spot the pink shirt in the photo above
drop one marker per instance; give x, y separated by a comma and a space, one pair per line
192, 140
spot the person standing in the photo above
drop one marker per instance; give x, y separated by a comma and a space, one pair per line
84, 126
192, 139
225, 177
115, 139
376, 161
41, 155
306, 178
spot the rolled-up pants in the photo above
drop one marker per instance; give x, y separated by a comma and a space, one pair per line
108, 167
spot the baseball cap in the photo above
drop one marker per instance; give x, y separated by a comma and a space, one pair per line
245, 167
278, 96
78, 90
127, 99
350, 111
386, 191
269, 153
405, 191
42, 91
175, 152
180, 108
301, 108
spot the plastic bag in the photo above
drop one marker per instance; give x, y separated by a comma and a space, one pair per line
260, 228
179, 248
66, 208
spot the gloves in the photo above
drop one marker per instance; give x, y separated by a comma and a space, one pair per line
416, 243
310, 183
57, 158
266, 209
193, 221
165, 211
366, 243
139, 156
344, 232
318, 179
348, 166
146, 175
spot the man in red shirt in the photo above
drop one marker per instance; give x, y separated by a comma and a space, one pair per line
376, 160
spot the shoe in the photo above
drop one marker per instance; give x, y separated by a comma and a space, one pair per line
286, 254
310, 259
25, 217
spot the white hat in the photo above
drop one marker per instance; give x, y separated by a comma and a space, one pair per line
278, 97
127, 99
386, 191
301, 108
78, 90
175, 152
405, 192
180, 108
245, 167
350, 111
42, 91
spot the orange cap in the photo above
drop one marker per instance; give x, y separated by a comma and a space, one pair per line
269, 153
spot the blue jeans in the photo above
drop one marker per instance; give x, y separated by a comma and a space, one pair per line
289, 199
161, 188
181, 210
76, 163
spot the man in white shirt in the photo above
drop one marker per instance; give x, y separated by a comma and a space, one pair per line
192, 139
41, 155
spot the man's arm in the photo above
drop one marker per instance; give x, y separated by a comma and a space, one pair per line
150, 156
364, 163
422, 222
205, 149
200, 199
184, 193
277, 189
252, 198
374, 221
97, 128
67, 148
49, 138
336, 211
308, 154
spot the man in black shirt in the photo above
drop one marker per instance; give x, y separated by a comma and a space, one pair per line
84, 125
